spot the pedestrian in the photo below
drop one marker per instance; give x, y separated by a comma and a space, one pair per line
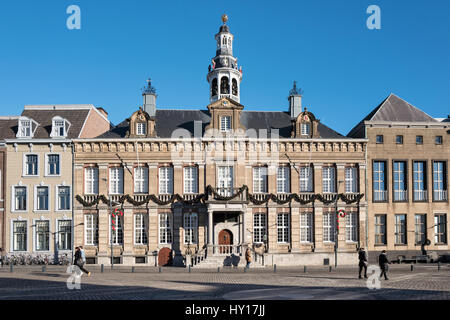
78, 260
362, 256
248, 257
2, 256
384, 262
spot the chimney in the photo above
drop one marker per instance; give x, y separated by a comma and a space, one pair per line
295, 101
103, 112
149, 95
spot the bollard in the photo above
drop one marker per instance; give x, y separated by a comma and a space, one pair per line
330, 269
11, 268
189, 269
43, 268
102, 268
439, 266
218, 269
274, 268
412, 268
304, 269
159, 269
132, 269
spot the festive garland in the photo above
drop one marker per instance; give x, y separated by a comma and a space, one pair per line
201, 198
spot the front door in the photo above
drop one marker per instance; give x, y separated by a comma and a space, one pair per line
165, 257
225, 241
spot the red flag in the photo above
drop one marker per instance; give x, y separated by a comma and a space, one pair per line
213, 64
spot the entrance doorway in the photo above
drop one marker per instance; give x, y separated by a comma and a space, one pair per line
225, 240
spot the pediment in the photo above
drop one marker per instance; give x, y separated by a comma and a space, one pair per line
225, 103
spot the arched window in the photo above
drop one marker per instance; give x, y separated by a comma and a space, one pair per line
224, 40
224, 85
234, 87
214, 87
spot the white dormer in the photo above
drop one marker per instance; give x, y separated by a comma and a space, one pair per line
60, 127
26, 128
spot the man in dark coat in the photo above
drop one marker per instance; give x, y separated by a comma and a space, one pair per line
362, 256
384, 262
78, 261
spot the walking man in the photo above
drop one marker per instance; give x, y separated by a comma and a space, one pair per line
2, 256
384, 262
248, 257
79, 260
362, 256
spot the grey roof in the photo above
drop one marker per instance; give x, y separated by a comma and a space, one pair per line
167, 121
8, 128
393, 109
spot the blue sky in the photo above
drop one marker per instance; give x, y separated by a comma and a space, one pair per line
344, 68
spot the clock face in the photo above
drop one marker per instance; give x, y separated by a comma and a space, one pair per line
224, 62
306, 118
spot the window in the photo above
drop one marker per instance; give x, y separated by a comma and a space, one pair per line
42, 198
283, 181
190, 180
64, 234
31, 165
419, 180
141, 180
305, 129
379, 181
260, 179
283, 228
141, 129
306, 179
380, 229
91, 229
351, 227
140, 228
42, 235
328, 180
259, 228
440, 228
419, 139
306, 227
20, 198
399, 139
116, 229
439, 183
19, 236
329, 226
190, 228
165, 228
53, 167
400, 229
25, 129
351, 179
379, 139
400, 193
420, 228
91, 180
166, 180
225, 123
60, 127
225, 180
63, 198
116, 180
438, 140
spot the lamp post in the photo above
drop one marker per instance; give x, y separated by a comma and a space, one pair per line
336, 230
111, 222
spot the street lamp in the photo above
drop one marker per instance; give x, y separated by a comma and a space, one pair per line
111, 222
336, 230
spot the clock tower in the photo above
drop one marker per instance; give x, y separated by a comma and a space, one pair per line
224, 77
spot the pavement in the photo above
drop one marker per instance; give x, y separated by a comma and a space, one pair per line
319, 283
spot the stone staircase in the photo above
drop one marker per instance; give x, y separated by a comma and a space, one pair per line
214, 261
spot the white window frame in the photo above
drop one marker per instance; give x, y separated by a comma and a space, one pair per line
116, 180
380, 227
306, 179
283, 227
283, 179
419, 193
438, 232
329, 179
225, 123
165, 180
305, 128
58, 235
91, 218
13, 234
402, 175
31, 123
167, 230
190, 227
55, 126
351, 179
401, 229
47, 164
141, 128
57, 203
225, 182
420, 227
13, 198
260, 179
141, 179
91, 183
306, 227
190, 175
351, 227
141, 230
438, 193
329, 227
116, 236
35, 235
25, 167
36, 209
259, 227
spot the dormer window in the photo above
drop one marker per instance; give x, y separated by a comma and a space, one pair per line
27, 127
141, 129
60, 127
305, 129
225, 124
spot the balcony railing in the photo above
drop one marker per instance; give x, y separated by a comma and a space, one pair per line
400, 195
305, 196
329, 196
222, 249
228, 192
440, 195
380, 195
420, 195
90, 197
352, 195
